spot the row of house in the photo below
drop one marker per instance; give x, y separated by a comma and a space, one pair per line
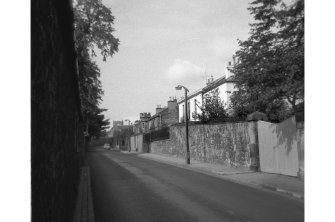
126, 137
244, 144
225, 85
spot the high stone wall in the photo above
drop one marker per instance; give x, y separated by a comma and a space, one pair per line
57, 138
227, 143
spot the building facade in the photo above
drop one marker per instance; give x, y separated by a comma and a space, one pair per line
164, 117
225, 85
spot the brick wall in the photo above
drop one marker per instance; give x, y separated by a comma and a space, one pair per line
227, 143
57, 139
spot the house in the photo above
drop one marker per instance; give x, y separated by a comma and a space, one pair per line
194, 102
225, 85
119, 135
163, 117
116, 125
139, 127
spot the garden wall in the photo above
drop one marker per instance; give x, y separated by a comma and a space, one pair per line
231, 144
57, 138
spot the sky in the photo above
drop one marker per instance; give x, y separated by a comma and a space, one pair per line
164, 43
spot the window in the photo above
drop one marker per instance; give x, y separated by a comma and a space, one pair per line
188, 110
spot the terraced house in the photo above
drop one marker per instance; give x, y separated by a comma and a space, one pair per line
225, 85
164, 117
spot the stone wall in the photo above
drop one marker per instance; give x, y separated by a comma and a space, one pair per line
162, 147
57, 140
227, 143
171, 117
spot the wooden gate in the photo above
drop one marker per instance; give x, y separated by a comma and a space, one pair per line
278, 147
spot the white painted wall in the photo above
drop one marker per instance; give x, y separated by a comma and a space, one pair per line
181, 112
193, 108
226, 91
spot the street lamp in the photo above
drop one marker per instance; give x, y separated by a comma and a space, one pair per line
180, 87
129, 149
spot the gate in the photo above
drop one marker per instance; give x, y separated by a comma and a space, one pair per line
278, 147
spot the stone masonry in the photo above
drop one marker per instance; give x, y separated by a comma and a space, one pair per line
57, 139
227, 143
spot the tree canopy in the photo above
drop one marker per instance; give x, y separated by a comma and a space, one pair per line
212, 109
93, 28
270, 64
93, 31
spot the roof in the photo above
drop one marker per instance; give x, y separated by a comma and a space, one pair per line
214, 84
190, 96
231, 79
158, 114
209, 87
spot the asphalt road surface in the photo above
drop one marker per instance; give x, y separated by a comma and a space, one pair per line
126, 187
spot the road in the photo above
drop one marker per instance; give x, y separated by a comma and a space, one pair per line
126, 187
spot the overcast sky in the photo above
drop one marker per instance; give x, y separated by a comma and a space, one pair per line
164, 43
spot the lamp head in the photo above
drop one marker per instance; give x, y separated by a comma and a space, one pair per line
179, 87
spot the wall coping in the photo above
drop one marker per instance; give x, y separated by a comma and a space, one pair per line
159, 140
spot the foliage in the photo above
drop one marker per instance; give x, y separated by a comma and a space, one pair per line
122, 132
93, 31
270, 63
212, 109
93, 28
97, 124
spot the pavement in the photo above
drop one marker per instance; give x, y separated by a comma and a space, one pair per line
84, 204
282, 184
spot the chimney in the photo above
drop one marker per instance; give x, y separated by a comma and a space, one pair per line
210, 80
172, 104
158, 109
228, 72
144, 116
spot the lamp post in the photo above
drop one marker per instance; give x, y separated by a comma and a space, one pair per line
179, 87
129, 149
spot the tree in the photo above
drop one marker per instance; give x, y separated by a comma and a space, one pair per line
98, 124
212, 109
93, 28
270, 63
93, 31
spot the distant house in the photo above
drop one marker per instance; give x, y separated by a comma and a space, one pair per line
225, 85
164, 117
140, 125
119, 135
116, 126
